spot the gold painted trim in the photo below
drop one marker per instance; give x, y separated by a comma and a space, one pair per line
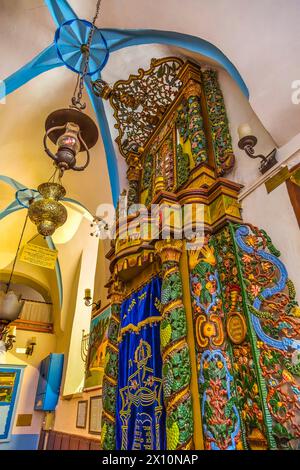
139, 326
190, 338
174, 347
114, 317
172, 402
112, 346
108, 416
187, 446
110, 379
171, 271
171, 306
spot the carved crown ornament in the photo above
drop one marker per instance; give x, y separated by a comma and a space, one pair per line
140, 101
171, 96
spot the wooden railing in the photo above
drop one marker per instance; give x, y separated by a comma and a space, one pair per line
55, 440
36, 316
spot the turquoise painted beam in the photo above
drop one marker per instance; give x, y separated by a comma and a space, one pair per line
60, 11
46, 60
111, 158
12, 207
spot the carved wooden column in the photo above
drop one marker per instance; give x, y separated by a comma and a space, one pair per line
133, 176
193, 116
174, 349
110, 379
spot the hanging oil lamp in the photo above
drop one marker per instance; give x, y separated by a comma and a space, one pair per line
70, 129
72, 132
48, 213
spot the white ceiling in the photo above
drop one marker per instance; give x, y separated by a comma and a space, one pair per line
261, 38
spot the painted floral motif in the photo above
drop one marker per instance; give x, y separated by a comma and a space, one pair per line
108, 434
271, 303
244, 373
196, 130
219, 410
183, 166
190, 125
220, 416
176, 360
166, 156
218, 122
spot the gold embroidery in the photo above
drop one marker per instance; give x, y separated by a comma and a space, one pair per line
139, 326
143, 389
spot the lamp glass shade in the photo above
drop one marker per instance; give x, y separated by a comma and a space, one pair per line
10, 306
87, 294
244, 130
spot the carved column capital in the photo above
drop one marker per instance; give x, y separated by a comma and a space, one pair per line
134, 167
193, 88
116, 291
169, 250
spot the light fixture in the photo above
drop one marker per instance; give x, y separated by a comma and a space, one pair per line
70, 129
247, 143
99, 225
73, 132
30, 346
48, 213
87, 299
10, 303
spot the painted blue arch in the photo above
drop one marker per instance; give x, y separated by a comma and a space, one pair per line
118, 39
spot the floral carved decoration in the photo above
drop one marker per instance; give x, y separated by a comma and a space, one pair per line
140, 102
274, 314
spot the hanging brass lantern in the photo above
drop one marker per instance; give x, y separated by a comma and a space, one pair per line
47, 213
72, 132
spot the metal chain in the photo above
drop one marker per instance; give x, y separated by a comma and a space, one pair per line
86, 50
17, 252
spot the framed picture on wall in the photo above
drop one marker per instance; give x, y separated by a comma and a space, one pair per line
82, 407
97, 348
10, 380
95, 415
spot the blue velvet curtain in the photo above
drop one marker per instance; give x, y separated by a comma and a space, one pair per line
140, 412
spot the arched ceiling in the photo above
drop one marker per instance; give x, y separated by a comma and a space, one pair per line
261, 38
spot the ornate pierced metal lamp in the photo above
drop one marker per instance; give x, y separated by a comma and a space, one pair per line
48, 213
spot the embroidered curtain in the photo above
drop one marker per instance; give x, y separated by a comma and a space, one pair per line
140, 413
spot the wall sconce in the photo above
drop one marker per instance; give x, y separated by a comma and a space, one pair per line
247, 143
87, 299
30, 346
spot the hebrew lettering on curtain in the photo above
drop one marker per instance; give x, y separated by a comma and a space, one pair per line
140, 411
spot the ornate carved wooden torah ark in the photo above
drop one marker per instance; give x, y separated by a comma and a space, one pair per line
204, 340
